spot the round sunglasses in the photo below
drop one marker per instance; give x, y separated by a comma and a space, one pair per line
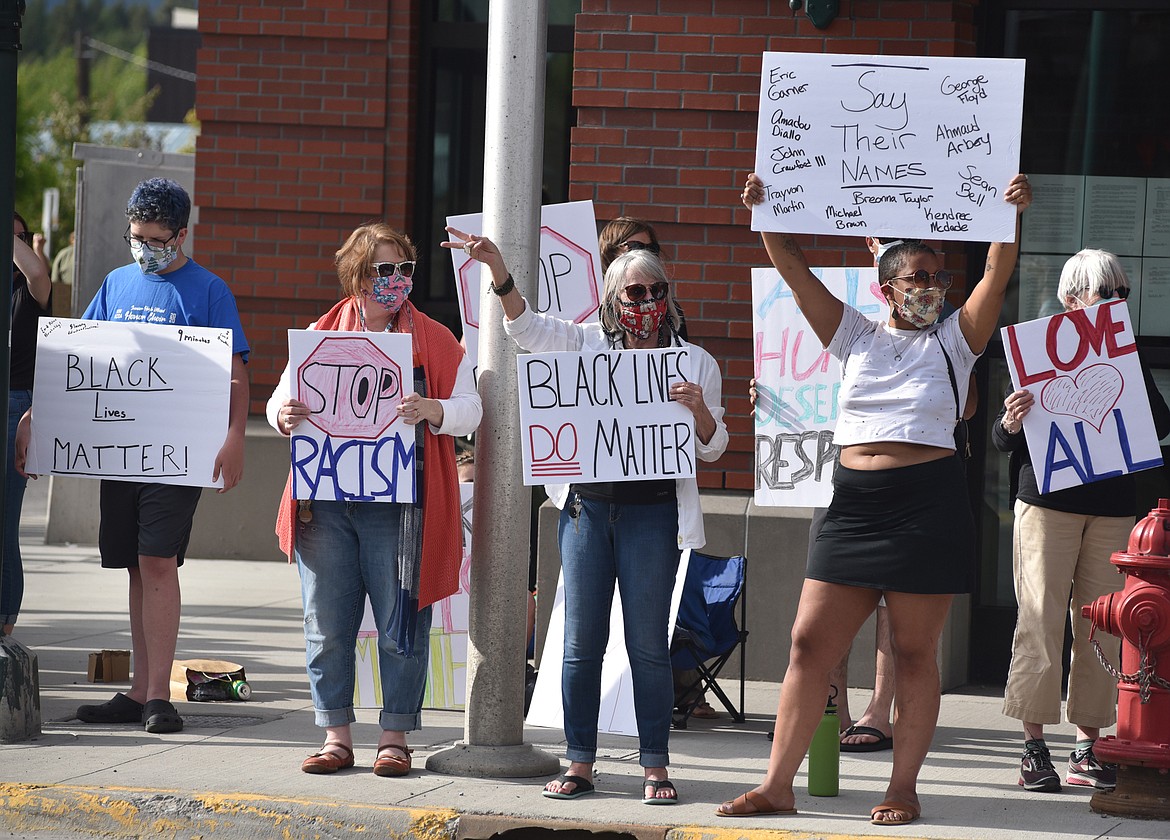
922, 278
636, 292
1122, 292
635, 245
391, 269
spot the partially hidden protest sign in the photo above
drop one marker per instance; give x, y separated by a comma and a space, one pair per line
138, 402
797, 384
1090, 418
604, 415
447, 652
353, 446
569, 278
889, 145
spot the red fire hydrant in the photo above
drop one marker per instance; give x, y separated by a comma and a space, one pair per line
1140, 615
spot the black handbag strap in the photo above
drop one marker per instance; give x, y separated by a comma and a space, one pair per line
960, 423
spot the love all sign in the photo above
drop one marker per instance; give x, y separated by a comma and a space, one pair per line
1091, 416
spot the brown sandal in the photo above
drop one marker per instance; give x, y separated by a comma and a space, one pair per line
322, 763
392, 765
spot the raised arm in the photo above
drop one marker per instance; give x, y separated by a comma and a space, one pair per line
818, 305
483, 249
979, 316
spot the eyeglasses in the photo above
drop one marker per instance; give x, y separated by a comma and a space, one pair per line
1121, 291
635, 245
152, 244
922, 278
390, 269
636, 292
25, 236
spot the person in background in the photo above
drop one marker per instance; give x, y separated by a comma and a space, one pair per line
620, 236
404, 556
1061, 545
628, 532
62, 276
145, 527
900, 523
31, 298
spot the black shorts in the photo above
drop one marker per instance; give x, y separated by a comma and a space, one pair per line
144, 519
902, 530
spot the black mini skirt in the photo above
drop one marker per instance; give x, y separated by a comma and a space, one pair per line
908, 529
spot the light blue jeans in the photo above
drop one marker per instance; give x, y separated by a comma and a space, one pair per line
12, 581
635, 546
349, 550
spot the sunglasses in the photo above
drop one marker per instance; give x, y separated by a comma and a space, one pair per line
635, 245
1122, 292
26, 237
941, 279
390, 269
636, 292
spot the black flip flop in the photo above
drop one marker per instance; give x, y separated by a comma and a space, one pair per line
582, 787
883, 742
659, 784
161, 717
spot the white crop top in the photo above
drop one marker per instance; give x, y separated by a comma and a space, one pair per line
894, 383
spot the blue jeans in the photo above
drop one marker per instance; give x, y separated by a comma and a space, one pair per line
12, 582
349, 550
636, 546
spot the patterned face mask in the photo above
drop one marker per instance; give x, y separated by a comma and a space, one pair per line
921, 307
642, 319
389, 292
152, 260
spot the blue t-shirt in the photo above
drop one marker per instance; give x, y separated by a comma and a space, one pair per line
188, 296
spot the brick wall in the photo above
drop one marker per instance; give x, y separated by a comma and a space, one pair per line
667, 97
296, 150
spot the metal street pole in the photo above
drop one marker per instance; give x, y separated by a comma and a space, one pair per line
493, 742
20, 699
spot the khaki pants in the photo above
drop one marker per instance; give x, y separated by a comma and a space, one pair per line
1054, 551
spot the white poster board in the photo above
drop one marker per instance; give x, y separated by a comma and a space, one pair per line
919, 146
616, 714
604, 415
131, 401
569, 278
353, 446
797, 383
447, 651
1091, 415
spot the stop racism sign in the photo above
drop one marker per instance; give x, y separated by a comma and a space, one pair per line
353, 447
351, 387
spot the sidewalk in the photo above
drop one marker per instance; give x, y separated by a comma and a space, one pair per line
234, 770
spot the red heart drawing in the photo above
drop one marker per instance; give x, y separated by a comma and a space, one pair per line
1090, 397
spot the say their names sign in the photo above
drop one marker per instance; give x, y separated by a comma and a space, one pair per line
604, 415
569, 276
888, 145
353, 446
1090, 416
797, 385
130, 401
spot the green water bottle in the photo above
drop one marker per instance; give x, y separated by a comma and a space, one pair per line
824, 753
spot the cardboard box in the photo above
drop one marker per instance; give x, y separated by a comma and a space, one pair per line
109, 666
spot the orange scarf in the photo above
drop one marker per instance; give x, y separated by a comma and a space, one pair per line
436, 349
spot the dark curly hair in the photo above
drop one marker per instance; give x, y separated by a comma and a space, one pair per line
160, 200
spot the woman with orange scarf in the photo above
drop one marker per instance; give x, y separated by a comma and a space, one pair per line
404, 556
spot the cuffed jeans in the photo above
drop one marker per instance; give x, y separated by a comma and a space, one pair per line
1053, 552
346, 551
12, 584
636, 546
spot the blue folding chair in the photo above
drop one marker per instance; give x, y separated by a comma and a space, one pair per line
706, 633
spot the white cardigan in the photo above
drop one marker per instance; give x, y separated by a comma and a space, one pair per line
541, 333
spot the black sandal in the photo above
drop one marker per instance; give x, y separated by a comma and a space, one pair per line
119, 709
161, 717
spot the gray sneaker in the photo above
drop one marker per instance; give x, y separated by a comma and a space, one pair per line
1036, 770
1084, 769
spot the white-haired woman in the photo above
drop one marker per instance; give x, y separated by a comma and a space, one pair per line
627, 532
1061, 545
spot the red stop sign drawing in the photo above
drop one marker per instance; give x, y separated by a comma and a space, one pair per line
351, 387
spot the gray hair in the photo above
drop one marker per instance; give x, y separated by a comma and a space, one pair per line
1088, 271
648, 268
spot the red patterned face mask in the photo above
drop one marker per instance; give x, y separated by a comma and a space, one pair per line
643, 319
